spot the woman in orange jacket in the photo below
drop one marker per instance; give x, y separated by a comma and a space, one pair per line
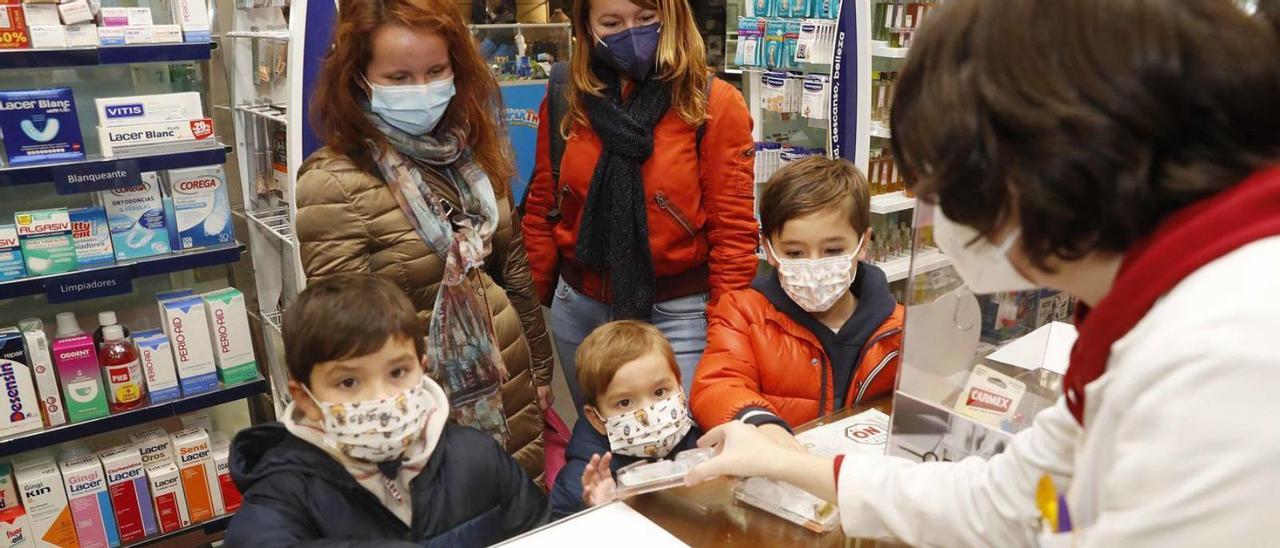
650, 214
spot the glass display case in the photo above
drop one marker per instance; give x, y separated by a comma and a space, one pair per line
523, 51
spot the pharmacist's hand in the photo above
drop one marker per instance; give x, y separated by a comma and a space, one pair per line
781, 436
597, 481
546, 397
741, 450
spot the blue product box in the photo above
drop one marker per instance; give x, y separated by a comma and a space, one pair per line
40, 125
201, 207
92, 235
11, 265
137, 220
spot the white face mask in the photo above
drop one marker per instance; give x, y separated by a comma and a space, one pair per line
413, 109
817, 284
650, 432
983, 266
377, 430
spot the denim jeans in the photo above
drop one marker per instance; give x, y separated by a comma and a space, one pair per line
574, 315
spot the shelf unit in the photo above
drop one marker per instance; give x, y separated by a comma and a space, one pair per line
106, 55
882, 49
208, 528
926, 261
140, 268
148, 158
892, 202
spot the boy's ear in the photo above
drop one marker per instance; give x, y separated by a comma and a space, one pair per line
768, 251
593, 418
304, 401
869, 235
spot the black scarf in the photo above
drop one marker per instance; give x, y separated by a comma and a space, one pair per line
614, 235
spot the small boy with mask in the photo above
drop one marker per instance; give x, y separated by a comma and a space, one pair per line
820, 333
635, 411
366, 454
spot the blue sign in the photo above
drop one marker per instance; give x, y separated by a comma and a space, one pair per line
844, 85
523, 102
79, 286
317, 40
95, 176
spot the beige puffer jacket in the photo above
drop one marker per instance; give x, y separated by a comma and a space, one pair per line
348, 221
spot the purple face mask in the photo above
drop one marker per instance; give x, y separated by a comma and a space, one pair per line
632, 52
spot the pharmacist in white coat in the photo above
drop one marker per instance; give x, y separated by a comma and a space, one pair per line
1127, 152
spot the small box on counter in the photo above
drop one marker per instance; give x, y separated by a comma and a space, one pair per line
40, 125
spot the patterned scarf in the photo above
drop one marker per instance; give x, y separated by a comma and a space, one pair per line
461, 346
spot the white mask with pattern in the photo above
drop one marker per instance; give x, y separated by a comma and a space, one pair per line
817, 284
651, 431
377, 430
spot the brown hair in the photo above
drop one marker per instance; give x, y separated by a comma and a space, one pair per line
1088, 121
682, 61
346, 316
814, 184
613, 345
337, 104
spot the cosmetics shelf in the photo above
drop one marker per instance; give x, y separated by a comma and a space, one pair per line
211, 527
142, 158
882, 49
71, 432
926, 261
119, 275
107, 55
892, 202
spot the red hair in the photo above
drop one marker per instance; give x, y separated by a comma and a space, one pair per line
337, 105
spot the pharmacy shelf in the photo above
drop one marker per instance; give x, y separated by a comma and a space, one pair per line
275, 113
211, 527
275, 222
892, 202
62, 434
108, 55
150, 266
880, 130
881, 49
272, 35
146, 158
927, 261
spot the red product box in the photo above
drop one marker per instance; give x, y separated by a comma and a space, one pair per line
13, 26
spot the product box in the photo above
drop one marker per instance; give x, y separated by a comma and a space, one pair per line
231, 498
15, 528
138, 34
232, 342
48, 36
37, 343
81, 378
45, 499
90, 502
193, 17
142, 109
45, 238
139, 16
41, 14
13, 28
21, 407
12, 266
201, 206
75, 12
110, 36
130, 492
199, 474
166, 493
166, 34
136, 217
8, 489
154, 446
157, 365
172, 131
200, 418
92, 236
188, 329
121, 17
82, 36
40, 125
165, 296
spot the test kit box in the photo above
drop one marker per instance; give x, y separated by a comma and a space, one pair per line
12, 266
48, 36
45, 498
75, 12
41, 14
232, 342
188, 329
13, 27
90, 502
81, 378
130, 492
136, 217
154, 445
231, 498
141, 109
193, 17
46, 241
172, 131
82, 36
156, 355
199, 474
92, 236
18, 401
40, 125
15, 528
166, 493
33, 337
202, 207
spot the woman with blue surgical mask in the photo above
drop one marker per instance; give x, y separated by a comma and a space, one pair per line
413, 184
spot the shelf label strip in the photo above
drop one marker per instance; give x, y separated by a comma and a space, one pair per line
96, 176
89, 285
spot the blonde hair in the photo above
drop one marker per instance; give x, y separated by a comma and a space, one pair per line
613, 345
681, 60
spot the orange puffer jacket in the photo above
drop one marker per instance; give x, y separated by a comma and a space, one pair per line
759, 357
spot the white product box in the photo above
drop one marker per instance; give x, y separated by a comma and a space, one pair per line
110, 36
167, 34
136, 217
8, 489
140, 17
157, 365
138, 34
82, 36
201, 206
121, 17
202, 419
140, 109
199, 474
193, 17
75, 12
42, 367
41, 14
48, 36
12, 266
154, 446
90, 501
173, 131
232, 342
165, 296
15, 528
45, 498
17, 389
166, 493
188, 329
130, 496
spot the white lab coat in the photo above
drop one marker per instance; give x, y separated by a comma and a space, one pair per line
1182, 446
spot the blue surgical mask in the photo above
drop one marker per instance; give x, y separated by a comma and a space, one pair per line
632, 52
413, 109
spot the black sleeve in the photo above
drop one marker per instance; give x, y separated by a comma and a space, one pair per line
524, 507
266, 519
759, 416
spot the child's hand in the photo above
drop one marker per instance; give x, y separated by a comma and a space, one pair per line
597, 481
780, 436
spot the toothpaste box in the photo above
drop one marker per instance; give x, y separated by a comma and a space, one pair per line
8, 489
166, 492
199, 474
75, 12
136, 217
90, 502
20, 406
110, 36
166, 34
48, 36
92, 236
130, 492
41, 14
193, 17
172, 131
201, 206
12, 266
47, 244
45, 498
82, 36
81, 378
37, 343
188, 329
232, 343
156, 355
231, 498
141, 109
13, 27
40, 125
15, 528
154, 445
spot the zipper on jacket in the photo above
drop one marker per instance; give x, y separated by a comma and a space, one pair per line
674, 212
554, 215
862, 388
